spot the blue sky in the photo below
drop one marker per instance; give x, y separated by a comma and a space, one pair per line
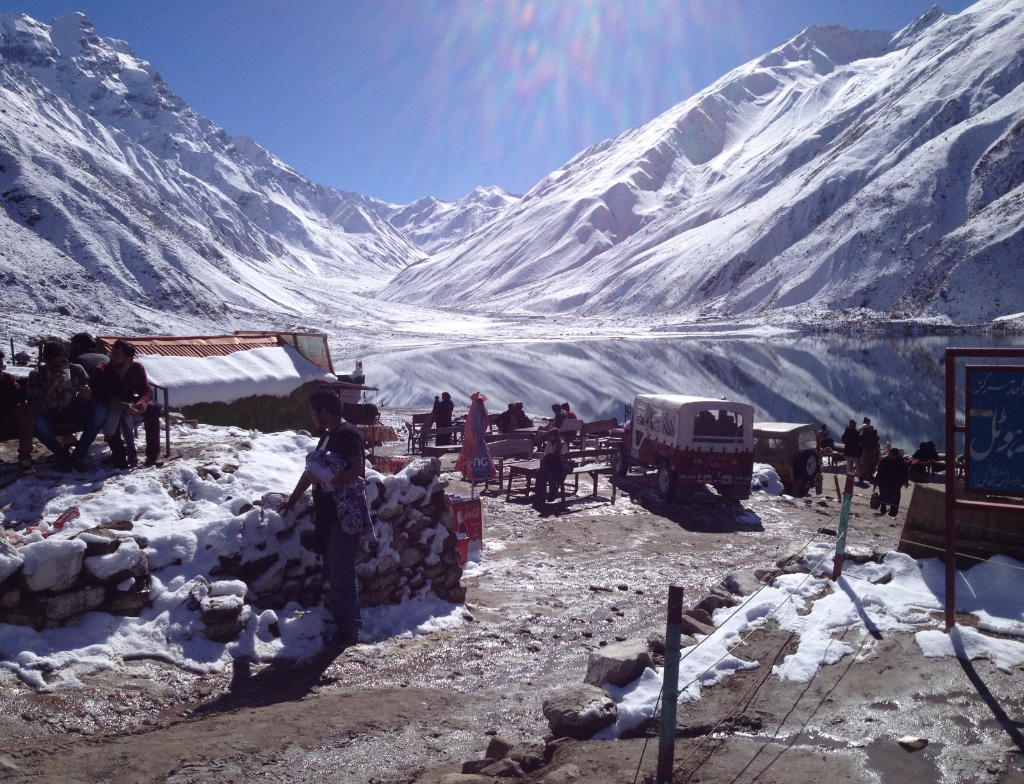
402, 99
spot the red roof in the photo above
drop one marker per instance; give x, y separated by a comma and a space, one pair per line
194, 346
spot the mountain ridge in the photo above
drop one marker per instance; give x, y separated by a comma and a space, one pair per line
742, 201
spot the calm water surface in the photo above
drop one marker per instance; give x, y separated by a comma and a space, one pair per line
898, 382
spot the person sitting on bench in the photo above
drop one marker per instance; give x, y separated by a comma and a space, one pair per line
83, 352
520, 416
15, 417
508, 420
122, 387
552, 471
59, 394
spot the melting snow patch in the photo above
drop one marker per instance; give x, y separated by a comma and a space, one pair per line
413, 618
765, 480
854, 603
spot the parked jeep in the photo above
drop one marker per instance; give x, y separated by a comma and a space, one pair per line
690, 441
792, 450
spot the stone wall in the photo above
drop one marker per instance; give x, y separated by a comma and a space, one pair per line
46, 583
259, 558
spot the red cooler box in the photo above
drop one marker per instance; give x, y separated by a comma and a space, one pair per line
469, 518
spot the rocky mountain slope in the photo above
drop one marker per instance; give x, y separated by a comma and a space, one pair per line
844, 170
122, 206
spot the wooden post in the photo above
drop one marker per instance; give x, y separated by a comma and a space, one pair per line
839, 492
670, 685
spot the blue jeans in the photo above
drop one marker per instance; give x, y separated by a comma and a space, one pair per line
340, 562
89, 417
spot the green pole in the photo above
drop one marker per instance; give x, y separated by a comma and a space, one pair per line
844, 521
670, 685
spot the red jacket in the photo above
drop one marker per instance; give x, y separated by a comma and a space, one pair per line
107, 385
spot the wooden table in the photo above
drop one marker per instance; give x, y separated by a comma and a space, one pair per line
530, 468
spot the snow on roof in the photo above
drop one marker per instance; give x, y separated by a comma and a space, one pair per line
679, 401
277, 370
780, 427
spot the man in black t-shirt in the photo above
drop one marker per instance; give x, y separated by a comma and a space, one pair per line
337, 547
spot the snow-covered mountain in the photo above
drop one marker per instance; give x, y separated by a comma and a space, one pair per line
122, 206
843, 170
434, 224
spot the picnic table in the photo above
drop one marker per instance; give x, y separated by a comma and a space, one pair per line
530, 468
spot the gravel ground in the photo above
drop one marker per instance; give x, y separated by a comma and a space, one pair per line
552, 587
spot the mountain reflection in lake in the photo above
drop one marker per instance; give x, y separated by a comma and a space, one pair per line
898, 382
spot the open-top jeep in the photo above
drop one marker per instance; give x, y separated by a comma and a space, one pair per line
792, 450
690, 441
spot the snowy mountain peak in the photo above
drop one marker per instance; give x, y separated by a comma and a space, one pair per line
846, 169
434, 224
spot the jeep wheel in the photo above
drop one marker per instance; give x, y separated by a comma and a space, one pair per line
667, 481
620, 465
806, 465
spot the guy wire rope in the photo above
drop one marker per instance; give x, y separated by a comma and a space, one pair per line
728, 653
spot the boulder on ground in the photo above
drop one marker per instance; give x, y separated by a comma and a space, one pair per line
99, 541
692, 626
579, 711
701, 615
499, 747
742, 582
563, 774
503, 769
656, 642
52, 564
619, 663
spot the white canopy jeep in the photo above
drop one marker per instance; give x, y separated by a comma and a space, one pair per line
691, 441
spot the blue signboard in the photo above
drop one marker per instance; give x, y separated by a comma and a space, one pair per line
995, 429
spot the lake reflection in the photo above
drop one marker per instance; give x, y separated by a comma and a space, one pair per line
898, 382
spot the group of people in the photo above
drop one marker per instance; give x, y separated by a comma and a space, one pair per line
513, 418
78, 388
869, 462
562, 412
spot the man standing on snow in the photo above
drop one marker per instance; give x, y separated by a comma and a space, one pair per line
871, 454
122, 386
336, 470
852, 450
443, 418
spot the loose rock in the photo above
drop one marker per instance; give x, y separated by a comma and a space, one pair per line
742, 582
499, 747
579, 711
618, 664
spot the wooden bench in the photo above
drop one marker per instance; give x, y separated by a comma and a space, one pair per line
70, 433
509, 448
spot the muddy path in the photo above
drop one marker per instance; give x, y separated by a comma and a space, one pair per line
552, 587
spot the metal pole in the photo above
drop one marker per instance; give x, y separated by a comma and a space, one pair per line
950, 490
670, 685
844, 521
167, 425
